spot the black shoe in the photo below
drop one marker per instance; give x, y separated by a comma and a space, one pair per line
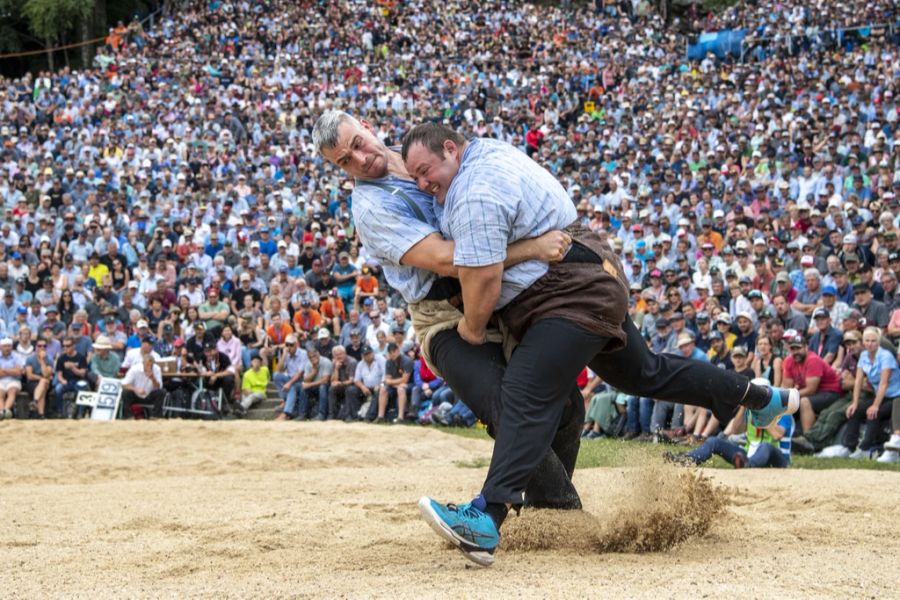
379, 421
801, 445
630, 435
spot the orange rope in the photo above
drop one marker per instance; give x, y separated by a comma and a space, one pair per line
44, 51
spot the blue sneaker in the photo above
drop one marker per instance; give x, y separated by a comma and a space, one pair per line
782, 401
466, 526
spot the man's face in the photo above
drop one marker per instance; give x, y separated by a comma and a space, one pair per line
358, 151
781, 305
798, 352
432, 173
862, 297
686, 349
744, 324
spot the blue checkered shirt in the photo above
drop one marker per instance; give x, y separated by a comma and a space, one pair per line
500, 196
388, 228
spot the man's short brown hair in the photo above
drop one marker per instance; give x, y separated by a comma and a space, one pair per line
432, 136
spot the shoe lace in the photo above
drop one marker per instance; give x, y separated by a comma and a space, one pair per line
466, 510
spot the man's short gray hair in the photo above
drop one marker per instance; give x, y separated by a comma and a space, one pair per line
325, 131
812, 273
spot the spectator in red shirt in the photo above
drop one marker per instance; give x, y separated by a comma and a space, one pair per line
819, 384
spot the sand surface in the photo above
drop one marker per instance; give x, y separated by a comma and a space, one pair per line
270, 510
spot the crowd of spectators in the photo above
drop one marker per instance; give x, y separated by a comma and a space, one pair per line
167, 202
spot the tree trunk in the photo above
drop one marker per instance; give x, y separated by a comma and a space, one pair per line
87, 50
101, 27
49, 44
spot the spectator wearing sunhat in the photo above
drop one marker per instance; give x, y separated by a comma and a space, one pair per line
104, 362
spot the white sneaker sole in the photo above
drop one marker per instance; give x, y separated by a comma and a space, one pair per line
894, 447
479, 557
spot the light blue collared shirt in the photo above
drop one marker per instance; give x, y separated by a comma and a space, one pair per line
388, 227
500, 196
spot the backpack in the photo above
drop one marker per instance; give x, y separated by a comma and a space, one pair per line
179, 398
206, 400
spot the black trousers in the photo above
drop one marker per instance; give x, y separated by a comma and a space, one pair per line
226, 384
638, 371
129, 398
476, 373
874, 428
537, 383
343, 402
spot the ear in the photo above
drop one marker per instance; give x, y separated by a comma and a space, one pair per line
451, 149
367, 125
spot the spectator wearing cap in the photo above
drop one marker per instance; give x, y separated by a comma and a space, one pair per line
71, 373
52, 320
218, 373
307, 319
663, 338
879, 367
719, 353
746, 334
785, 287
724, 324
97, 269
343, 394
819, 384
9, 306
244, 290
316, 381
331, 307
17, 268
38, 377
366, 287
370, 374
324, 343
12, 367
808, 297
826, 340
289, 376
874, 312
842, 285
133, 355
345, 274
866, 276
398, 371
214, 311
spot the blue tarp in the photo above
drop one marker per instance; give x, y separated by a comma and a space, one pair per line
720, 43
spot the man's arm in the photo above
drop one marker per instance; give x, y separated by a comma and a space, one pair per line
434, 253
811, 387
481, 291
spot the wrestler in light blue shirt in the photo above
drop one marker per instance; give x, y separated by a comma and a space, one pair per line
388, 227
500, 196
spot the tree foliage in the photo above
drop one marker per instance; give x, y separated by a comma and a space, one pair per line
52, 19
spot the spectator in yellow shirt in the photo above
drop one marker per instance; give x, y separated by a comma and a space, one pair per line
98, 270
253, 386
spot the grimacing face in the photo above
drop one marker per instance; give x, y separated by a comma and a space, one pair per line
431, 173
358, 151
